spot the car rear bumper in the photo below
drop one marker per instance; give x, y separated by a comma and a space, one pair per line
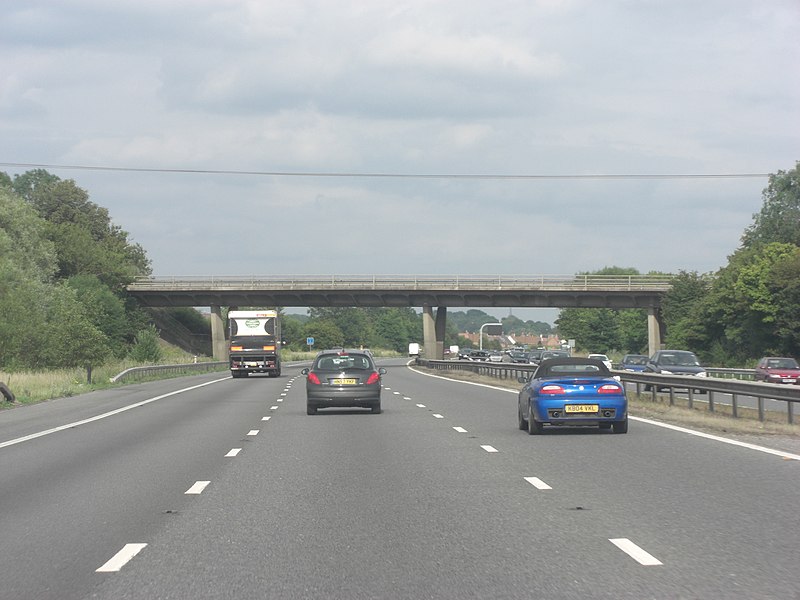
555, 413
322, 396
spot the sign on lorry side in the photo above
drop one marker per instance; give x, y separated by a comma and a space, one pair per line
255, 342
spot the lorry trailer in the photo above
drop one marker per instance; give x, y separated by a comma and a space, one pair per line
255, 341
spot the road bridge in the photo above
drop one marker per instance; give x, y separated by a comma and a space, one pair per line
428, 292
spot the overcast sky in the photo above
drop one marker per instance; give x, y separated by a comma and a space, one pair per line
353, 88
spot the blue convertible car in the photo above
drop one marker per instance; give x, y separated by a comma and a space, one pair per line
572, 391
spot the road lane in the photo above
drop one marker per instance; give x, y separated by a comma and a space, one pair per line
70, 500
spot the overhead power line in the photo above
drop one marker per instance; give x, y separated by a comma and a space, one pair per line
358, 175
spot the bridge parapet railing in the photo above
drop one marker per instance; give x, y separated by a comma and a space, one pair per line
412, 282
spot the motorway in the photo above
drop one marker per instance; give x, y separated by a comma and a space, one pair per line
210, 487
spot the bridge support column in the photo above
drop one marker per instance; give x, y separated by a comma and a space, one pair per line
433, 332
218, 346
653, 331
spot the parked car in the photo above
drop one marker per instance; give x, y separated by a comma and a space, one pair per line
674, 362
602, 357
518, 356
554, 354
634, 362
778, 369
535, 356
481, 355
343, 378
572, 392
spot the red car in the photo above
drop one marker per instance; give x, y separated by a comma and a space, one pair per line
778, 369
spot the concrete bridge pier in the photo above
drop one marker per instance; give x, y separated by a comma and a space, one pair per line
218, 346
433, 331
654, 328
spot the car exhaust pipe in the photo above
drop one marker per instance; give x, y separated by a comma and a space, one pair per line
556, 414
607, 413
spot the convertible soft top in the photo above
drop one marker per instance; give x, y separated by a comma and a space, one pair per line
581, 367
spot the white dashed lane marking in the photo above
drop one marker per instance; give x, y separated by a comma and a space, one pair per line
437, 416
253, 432
489, 449
538, 483
198, 487
460, 429
420, 405
265, 418
233, 452
635, 552
121, 558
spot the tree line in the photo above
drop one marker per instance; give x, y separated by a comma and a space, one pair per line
747, 309
64, 268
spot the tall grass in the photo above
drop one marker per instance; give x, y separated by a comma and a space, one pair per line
35, 386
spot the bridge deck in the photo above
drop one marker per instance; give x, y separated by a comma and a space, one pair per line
627, 291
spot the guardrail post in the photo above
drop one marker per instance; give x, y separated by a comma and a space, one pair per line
710, 401
790, 412
760, 409
734, 404
691, 400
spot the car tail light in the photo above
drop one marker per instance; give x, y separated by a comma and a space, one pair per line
269, 348
236, 348
609, 388
313, 379
374, 377
551, 389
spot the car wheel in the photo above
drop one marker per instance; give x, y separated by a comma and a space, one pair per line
311, 410
534, 427
621, 426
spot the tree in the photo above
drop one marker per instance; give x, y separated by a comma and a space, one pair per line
146, 348
779, 218
682, 308
325, 333
604, 329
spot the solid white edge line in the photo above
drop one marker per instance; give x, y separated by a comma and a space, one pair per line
33, 436
635, 552
716, 438
197, 487
121, 558
538, 483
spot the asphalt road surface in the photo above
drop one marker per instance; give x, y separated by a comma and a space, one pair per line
210, 487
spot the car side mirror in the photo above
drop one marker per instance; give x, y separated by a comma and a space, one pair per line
304, 371
382, 371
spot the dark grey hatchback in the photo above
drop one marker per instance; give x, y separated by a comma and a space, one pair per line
343, 378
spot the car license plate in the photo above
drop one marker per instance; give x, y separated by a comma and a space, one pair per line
344, 381
581, 408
